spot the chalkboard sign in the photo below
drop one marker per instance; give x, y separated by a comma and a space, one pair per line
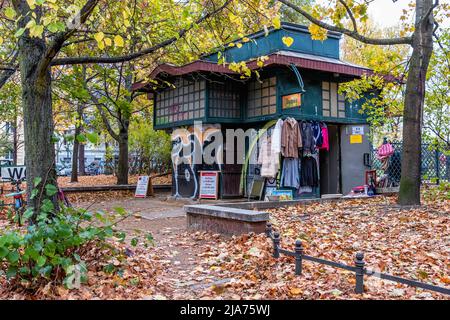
257, 188
209, 185
142, 187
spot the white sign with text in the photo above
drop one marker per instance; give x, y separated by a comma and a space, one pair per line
209, 184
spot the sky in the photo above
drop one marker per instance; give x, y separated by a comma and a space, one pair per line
386, 12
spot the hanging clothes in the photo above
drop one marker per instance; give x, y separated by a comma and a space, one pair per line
253, 157
316, 157
317, 134
269, 165
309, 145
276, 137
325, 140
305, 189
290, 176
309, 173
291, 138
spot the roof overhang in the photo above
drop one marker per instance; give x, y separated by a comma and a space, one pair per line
286, 58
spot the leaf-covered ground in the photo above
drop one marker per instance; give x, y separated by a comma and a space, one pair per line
107, 180
413, 243
409, 243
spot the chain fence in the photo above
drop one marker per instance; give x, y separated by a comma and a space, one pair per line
435, 165
358, 268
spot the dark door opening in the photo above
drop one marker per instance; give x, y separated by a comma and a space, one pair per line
330, 163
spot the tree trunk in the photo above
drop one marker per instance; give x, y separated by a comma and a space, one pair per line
447, 163
109, 159
81, 164
122, 172
414, 100
76, 145
38, 119
75, 155
15, 140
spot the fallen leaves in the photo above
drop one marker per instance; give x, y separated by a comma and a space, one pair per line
106, 180
296, 291
131, 280
410, 243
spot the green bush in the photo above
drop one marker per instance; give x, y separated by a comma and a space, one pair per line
51, 249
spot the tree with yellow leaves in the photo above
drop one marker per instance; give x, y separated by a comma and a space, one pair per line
41, 37
418, 35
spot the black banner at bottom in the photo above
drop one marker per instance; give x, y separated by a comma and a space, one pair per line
193, 310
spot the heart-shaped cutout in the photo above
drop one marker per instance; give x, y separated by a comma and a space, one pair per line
288, 41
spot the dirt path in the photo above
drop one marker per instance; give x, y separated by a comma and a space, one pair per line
179, 251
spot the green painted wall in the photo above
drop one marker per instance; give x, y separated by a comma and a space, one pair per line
287, 83
261, 44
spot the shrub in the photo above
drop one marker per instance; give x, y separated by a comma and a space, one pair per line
52, 248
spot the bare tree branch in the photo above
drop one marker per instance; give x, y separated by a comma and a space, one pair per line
350, 13
353, 34
9, 71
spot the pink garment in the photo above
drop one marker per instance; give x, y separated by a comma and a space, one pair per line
325, 143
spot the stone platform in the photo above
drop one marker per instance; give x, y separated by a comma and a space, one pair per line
225, 220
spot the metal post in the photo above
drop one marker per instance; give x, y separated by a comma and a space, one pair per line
276, 245
298, 257
359, 263
268, 229
438, 167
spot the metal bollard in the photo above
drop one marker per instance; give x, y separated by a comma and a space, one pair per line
298, 257
359, 263
268, 229
276, 245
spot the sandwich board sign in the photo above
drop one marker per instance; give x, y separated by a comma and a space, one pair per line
142, 187
13, 173
209, 185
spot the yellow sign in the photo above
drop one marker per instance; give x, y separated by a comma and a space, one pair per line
292, 101
356, 138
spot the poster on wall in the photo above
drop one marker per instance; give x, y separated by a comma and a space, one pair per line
357, 130
209, 185
142, 187
292, 101
283, 195
356, 138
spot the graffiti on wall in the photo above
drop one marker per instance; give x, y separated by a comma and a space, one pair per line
189, 149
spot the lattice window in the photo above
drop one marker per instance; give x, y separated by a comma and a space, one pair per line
333, 104
184, 102
224, 101
262, 97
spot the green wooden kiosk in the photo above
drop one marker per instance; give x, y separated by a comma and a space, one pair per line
300, 81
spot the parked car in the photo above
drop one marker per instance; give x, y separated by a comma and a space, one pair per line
62, 170
5, 163
95, 168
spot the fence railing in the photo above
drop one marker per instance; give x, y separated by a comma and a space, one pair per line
358, 268
435, 165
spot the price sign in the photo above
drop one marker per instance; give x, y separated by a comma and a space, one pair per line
209, 184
